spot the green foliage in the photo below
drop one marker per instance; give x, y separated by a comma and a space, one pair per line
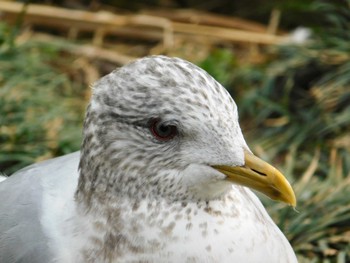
219, 64
336, 33
40, 108
302, 104
304, 100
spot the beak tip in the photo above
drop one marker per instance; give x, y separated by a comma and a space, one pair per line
288, 197
293, 201
285, 192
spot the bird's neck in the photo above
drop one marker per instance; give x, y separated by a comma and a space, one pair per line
99, 183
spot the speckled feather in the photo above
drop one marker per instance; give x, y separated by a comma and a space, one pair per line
139, 199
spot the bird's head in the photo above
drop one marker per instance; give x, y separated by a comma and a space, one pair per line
162, 126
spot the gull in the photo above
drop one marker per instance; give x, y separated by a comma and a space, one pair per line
163, 175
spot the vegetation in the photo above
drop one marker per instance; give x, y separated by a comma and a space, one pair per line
41, 105
294, 103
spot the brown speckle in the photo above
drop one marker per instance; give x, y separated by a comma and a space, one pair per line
135, 206
188, 226
168, 229
221, 222
178, 217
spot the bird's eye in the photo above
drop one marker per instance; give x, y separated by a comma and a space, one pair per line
162, 131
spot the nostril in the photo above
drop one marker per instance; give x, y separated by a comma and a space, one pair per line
263, 174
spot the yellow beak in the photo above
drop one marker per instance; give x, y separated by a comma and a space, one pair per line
261, 176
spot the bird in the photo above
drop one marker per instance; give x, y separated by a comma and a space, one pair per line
164, 174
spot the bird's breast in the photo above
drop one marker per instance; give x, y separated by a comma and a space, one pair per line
233, 228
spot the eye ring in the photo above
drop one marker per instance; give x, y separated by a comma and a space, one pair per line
162, 131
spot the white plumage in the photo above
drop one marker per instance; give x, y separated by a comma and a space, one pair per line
158, 179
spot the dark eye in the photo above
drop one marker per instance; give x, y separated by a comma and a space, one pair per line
162, 131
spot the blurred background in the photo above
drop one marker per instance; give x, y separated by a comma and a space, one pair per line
286, 64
